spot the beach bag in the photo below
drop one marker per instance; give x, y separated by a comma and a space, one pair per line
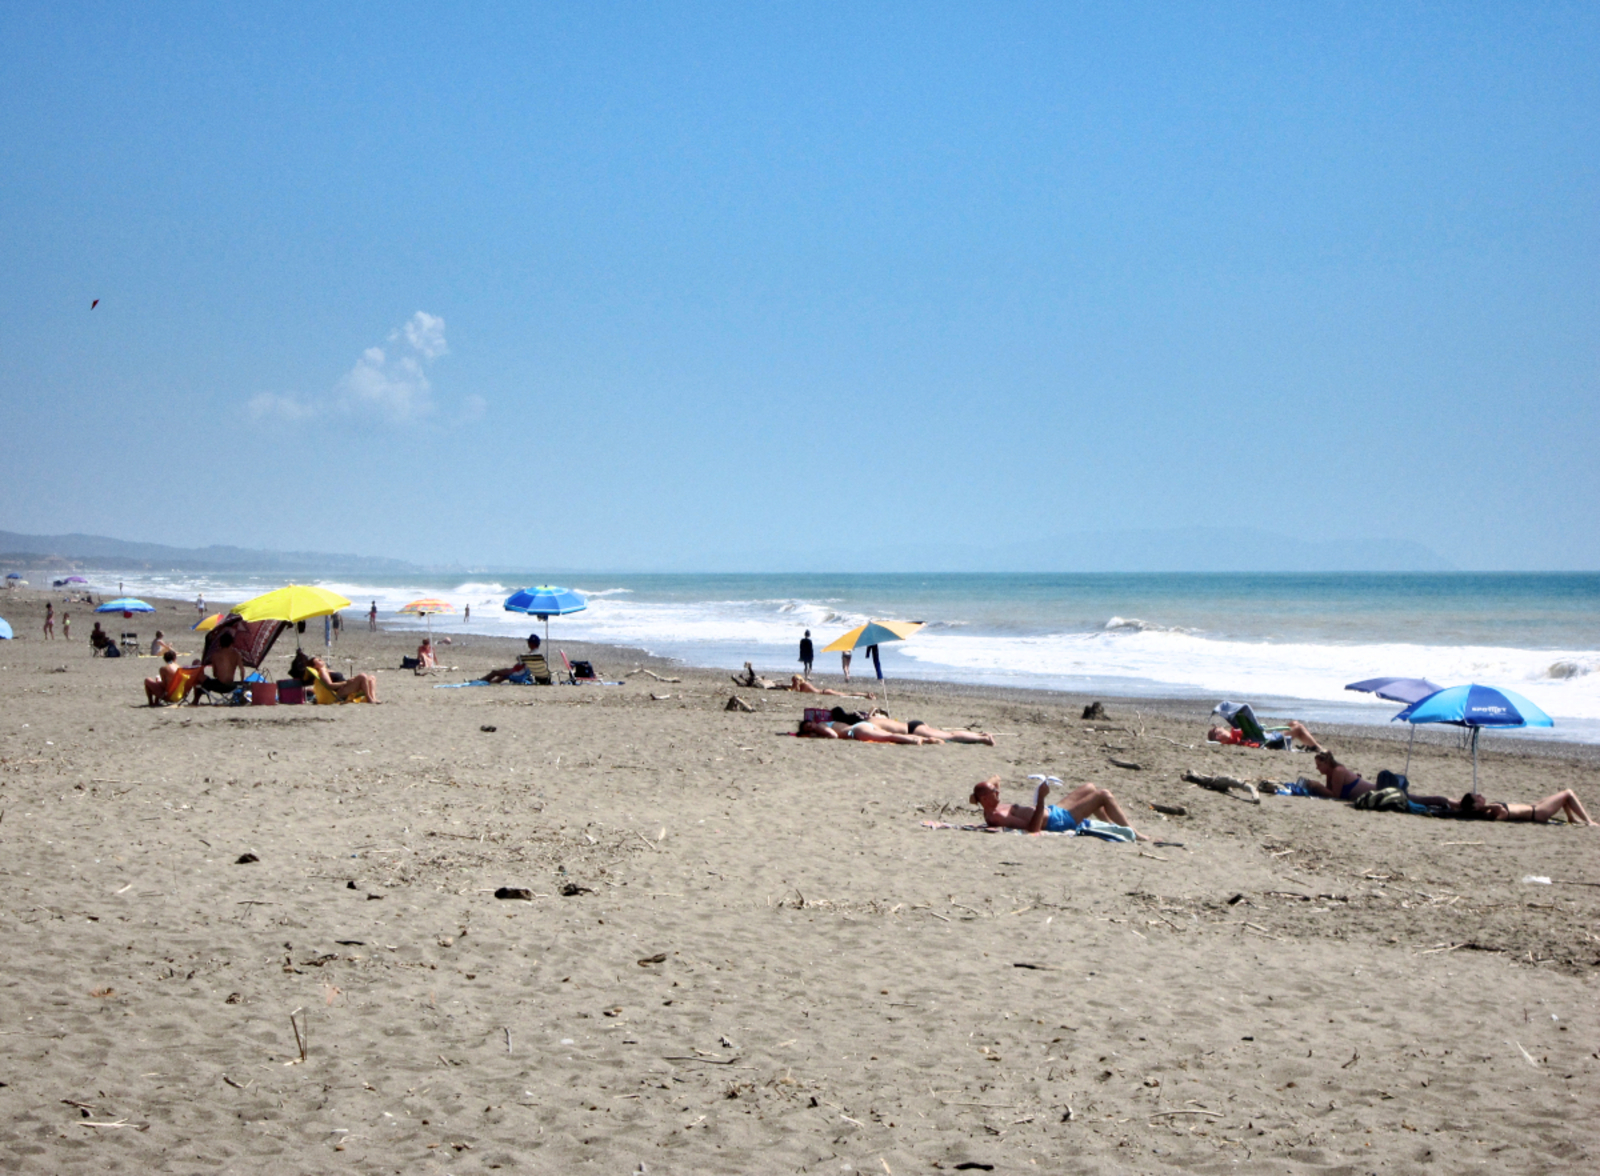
817, 714
583, 669
1388, 779
1384, 800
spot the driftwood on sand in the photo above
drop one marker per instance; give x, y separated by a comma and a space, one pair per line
751, 680
1227, 785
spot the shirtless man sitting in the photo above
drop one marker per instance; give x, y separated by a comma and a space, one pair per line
1085, 801
155, 689
225, 666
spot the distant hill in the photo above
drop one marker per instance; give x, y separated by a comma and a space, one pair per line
88, 552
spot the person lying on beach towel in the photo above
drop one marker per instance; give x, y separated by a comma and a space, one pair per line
1272, 740
1473, 807
1083, 802
800, 686
917, 727
864, 731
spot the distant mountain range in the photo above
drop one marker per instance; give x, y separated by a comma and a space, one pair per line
1194, 549
89, 552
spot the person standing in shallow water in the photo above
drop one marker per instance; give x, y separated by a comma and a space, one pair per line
808, 654
372, 617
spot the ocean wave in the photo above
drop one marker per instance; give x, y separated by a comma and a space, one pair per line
1135, 625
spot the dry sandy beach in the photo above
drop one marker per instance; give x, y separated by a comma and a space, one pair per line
744, 952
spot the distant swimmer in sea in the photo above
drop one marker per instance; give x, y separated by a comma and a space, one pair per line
1085, 801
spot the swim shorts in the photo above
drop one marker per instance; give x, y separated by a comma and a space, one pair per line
1058, 820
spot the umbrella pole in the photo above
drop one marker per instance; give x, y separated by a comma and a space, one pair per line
1409, 746
1475, 759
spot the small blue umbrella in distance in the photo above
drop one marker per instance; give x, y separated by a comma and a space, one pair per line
544, 602
5, 630
14, 576
126, 605
1398, 690
1476, 707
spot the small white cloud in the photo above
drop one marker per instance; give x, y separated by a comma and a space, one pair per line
284, 408
389, 385
425, 333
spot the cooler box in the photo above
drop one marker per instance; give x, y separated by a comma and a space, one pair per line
290, 692
261, 693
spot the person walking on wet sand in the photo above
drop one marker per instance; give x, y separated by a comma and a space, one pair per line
808, 654
1080, 803
372, 617
844, 664
49, 622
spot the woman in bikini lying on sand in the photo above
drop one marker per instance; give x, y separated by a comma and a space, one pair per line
1085, 801
1473, 807
865, 731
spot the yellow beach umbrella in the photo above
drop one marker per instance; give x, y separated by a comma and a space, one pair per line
874, 633
295, 603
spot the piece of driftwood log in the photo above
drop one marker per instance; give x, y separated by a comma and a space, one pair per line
735, 703
1172, 810
751, 680
650, 673
1129, 764
1227, 785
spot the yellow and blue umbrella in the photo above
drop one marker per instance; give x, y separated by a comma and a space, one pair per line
209, 623
871, 635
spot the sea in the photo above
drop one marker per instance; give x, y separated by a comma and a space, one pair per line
1288, 643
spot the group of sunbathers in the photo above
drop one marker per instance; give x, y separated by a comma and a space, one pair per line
1341, 782
226, 675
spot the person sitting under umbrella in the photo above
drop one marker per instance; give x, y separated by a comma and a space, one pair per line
518, 673
361, 685
1081, 803
99, 638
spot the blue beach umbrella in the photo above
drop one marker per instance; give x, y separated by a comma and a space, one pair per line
14, 576
5, 630
126, 605
1405, 690
1398, 690
544, 602
1476, 707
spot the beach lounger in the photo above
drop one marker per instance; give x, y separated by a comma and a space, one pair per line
324, 694
1242, 718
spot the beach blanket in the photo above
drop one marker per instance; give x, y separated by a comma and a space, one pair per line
459, 685
1088, 827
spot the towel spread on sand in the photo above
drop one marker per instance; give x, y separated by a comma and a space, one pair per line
1088, 827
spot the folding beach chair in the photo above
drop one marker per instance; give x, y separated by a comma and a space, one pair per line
323, 692
185, 680
130, 643
538, 668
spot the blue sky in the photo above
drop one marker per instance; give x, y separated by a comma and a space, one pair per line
757, 286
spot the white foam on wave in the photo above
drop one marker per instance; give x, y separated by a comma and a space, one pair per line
1197, 664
